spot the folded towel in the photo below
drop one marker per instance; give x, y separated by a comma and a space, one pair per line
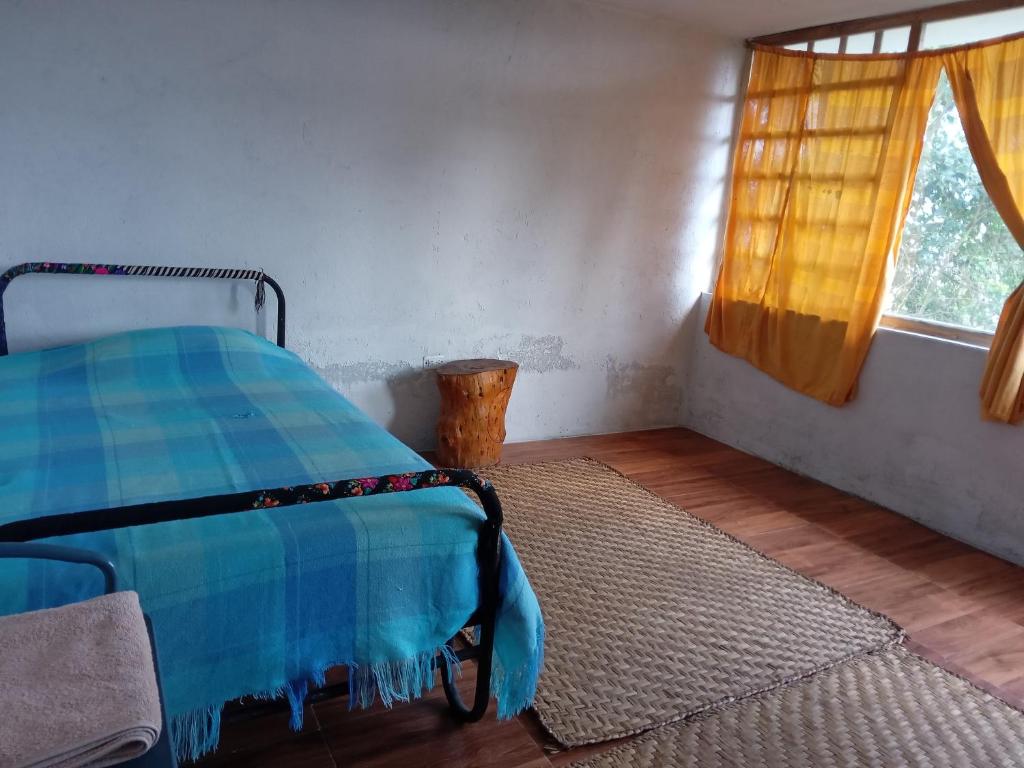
77, 686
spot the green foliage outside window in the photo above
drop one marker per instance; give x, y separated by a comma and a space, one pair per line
958, 261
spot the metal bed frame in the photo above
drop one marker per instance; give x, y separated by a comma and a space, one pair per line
489, 536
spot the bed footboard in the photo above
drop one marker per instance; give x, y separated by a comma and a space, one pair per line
488, 548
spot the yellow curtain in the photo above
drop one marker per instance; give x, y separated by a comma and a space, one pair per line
822, 179
988, 86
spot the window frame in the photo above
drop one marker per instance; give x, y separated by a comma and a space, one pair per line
937, 329
915, 19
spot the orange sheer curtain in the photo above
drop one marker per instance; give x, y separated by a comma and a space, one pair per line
822, 179
988, 86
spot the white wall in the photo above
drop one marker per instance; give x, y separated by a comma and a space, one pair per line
539, 180
913, 440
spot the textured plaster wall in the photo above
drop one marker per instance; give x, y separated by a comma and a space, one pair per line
539, 180
913, 440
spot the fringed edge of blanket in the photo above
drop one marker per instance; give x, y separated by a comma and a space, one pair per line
197, 733
514, 689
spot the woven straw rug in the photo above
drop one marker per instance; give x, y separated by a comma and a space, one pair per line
890, 708
653, 615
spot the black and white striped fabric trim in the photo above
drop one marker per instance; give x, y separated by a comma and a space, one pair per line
228, 274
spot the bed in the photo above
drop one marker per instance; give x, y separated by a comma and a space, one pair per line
272, 530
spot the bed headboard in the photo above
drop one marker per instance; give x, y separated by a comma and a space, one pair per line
126, 270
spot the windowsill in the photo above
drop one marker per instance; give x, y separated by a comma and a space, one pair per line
929, 329
936, 330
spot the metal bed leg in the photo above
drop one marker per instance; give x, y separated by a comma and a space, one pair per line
482, 692
489, 556
484, 654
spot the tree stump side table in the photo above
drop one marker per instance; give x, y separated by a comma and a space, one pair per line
474, 396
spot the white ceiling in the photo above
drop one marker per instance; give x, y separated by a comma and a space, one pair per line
748, 18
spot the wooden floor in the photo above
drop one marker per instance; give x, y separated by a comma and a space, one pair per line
961, 608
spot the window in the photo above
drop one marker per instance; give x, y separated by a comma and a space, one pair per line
958, 261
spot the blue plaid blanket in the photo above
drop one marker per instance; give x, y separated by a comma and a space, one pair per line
260, 603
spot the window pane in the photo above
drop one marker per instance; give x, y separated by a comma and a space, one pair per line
863, 42
895, 40
831, 45
958, 261
970, 29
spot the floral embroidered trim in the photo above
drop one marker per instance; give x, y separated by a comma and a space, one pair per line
57, 267
367, 486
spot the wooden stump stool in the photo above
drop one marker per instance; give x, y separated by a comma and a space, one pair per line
474, 396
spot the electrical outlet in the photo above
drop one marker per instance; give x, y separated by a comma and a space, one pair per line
433, 361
